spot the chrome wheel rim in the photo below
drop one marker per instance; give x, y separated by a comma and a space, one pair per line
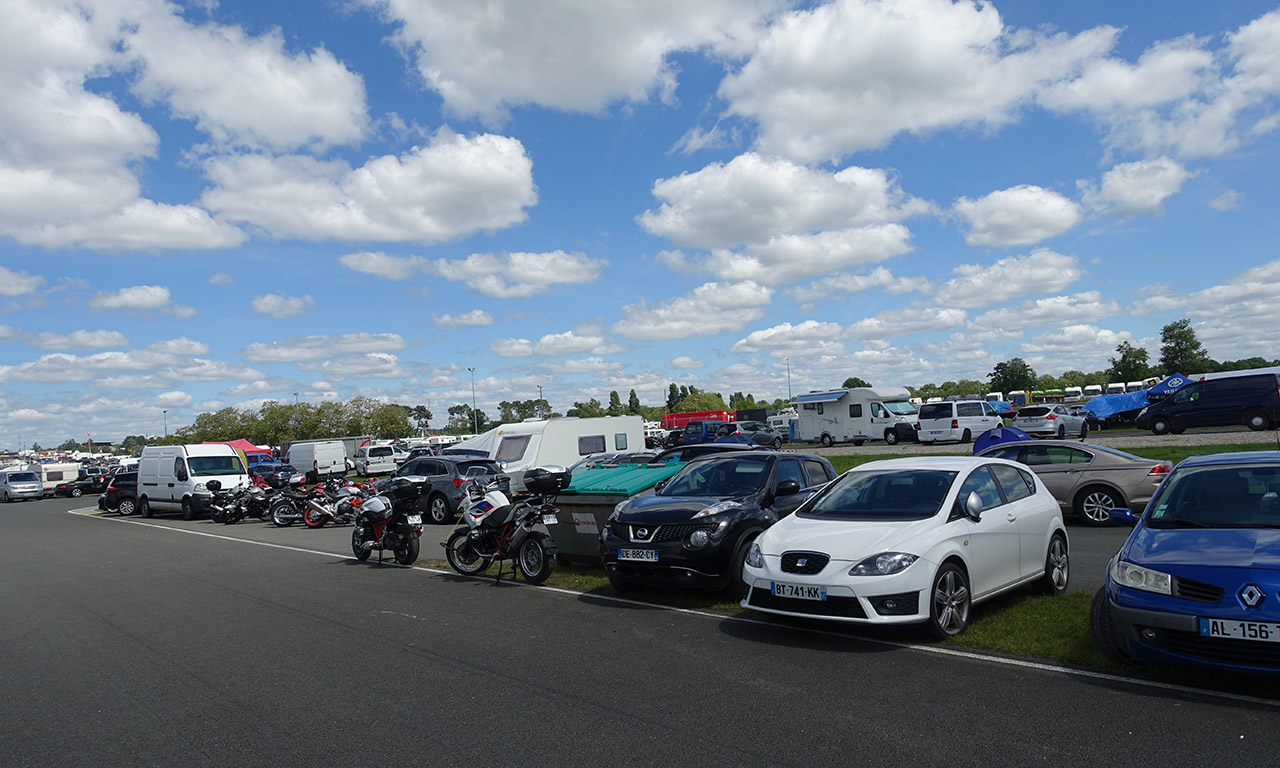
1059, 566
951, 603
437, 510
531, 558
1097, 506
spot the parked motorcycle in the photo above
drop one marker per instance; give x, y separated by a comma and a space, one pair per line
252, 500
333, 502
391, 521
290, 504
497, 529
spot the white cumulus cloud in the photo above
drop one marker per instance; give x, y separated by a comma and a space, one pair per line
1021, 215
280, 306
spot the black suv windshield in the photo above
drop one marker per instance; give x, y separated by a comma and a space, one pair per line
727, 477
1219, 497
906, 494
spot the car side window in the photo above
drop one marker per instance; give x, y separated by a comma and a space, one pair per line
815, 473
1015, 486
788, 469
179, 468
1010, 452
979, 481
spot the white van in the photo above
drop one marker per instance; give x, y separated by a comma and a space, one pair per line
556, 442
855, 415
374, 460
960, 421
324, 458
174, 478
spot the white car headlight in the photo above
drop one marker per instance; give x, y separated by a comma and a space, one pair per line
883, 564
199, 487
755, 556
1136, 577
715, 509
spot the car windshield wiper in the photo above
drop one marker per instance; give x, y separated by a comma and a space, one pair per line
1177, 523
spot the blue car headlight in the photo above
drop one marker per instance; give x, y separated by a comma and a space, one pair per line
755, 556
1136, 577
883, 564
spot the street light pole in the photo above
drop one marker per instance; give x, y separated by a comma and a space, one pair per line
475, 425
165, 412
788, 377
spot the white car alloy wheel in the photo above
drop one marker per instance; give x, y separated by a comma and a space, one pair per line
951, 602
1057, 567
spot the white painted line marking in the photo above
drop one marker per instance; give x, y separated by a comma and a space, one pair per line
1020, 663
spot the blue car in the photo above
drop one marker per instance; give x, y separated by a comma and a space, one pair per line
1198, 580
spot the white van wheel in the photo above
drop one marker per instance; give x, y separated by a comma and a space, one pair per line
827, 442
891, 436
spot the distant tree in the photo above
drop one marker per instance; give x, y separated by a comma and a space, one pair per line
421, 416
615, 404
633, 403
673, 397
1073, 379
588, 410
854, 381
1012, 375
701, 401
1245, 364
390, 421
1131, 365
1181, 351
684, 393
70, 445
133, 443
1046, 382
460, 421
742, 401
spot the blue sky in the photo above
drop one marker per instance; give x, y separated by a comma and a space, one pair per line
213, 204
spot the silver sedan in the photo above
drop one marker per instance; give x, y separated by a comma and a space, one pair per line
1051, 421
1087, 479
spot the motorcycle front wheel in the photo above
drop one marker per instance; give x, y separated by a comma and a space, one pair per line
359, 551
462, 557
408, 554
312, 518
282, 515
535, 559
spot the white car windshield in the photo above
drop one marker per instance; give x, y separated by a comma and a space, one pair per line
204, 466
905, 494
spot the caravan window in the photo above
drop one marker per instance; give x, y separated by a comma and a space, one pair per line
855, 410
512, 448
589, 444
620, 441
53, 476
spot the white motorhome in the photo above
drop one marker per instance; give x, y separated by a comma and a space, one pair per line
53, 475
855, 415
784, 421
325, 458
559, 442
1073, 393
175, 478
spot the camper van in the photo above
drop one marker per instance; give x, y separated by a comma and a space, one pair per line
325, 458
175, 478
856, 415
561, 441
1115, 388
53, 475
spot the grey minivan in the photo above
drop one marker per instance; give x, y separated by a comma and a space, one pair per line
24, 484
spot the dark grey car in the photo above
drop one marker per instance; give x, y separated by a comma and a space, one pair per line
445, 475
1087, 479
756, 431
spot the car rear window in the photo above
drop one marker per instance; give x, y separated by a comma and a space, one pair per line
1033, 410
935, 411
383, 451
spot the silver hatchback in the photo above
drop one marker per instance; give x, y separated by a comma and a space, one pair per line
1051, 421
1088, 479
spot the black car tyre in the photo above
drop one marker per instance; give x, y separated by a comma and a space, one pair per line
462, 557
891, 436
357, 547
1062, 431
144, 507
1160, 426
737, 588
127, 507
966, 436
188, 511
1094, 504
1103, 628
438, 509
76, 493
949, 602
408, 554
1084, 429
535, 559
858, 443
777, 443
827, 442
1257, 420
1057, 567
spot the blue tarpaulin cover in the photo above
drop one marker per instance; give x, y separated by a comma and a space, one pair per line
1170, 385
1000, 406
996, 436
1103, 406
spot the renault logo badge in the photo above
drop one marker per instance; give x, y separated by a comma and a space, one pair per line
1251, 596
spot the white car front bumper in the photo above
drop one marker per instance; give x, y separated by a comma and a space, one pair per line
901, 598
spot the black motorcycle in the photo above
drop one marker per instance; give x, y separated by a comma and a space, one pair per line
391, 521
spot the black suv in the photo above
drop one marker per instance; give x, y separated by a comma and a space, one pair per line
121, 494
695, 529
445, 475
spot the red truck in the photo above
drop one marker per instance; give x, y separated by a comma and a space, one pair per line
678, 420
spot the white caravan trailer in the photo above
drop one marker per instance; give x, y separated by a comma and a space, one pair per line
556, 442
53, 475
855, 415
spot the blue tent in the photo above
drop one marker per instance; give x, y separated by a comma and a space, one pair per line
1104, 406
996, 436
1167, 387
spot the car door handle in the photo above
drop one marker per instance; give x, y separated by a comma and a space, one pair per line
1011, 517
170, 485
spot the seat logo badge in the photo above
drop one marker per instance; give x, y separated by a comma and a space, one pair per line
800, 561
1251, 596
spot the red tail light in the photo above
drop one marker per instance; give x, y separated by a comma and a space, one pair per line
917, 426
457, 482
112, 488
1158, 469
955, 423
1051, 416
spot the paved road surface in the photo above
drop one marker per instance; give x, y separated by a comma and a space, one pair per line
142, 644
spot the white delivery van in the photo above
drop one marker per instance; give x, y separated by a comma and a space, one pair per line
324, 458
174, 478
959, 421
374, 460
53, 475
556, 442
856, 415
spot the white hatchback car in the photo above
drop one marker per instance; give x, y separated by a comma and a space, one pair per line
915, 540
960, 420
